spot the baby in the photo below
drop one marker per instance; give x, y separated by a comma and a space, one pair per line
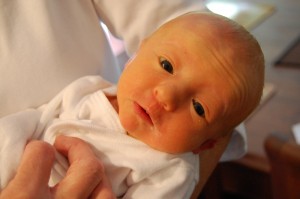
190, 83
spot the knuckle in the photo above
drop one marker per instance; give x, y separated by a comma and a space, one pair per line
94, 166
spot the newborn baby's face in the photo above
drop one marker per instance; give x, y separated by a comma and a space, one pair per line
171, 95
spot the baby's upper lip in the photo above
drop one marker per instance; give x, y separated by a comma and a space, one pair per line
153, 110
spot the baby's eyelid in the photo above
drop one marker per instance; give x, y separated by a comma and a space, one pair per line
162, 58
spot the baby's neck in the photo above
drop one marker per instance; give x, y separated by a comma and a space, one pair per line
114, 102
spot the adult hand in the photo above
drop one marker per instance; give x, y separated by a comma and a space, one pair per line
31, 180
85, 177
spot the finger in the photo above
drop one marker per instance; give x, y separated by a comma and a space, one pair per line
36, 164
85, 171
34, 171
103, 190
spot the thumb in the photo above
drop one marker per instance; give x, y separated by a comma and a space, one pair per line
85, 171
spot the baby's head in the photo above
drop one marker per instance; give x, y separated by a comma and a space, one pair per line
190, 83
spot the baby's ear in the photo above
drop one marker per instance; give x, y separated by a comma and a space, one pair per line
208, 144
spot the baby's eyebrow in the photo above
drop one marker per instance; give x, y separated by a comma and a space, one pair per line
174, 52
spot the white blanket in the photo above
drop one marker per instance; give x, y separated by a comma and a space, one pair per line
82, 110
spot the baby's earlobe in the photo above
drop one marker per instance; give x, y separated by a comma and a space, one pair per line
208, 144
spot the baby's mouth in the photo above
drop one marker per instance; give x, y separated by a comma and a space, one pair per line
142, 113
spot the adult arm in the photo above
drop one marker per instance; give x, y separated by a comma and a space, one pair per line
132, 20
208, 162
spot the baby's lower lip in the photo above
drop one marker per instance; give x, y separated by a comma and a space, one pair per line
142, 113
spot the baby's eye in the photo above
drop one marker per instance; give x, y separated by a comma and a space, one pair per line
198, 108
166, 65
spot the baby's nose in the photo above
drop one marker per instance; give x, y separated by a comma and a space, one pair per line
167, 96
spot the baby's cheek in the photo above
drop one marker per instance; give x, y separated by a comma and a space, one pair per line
128, 122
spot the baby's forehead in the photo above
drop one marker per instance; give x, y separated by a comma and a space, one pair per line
230, 44
236, 57
199, 22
